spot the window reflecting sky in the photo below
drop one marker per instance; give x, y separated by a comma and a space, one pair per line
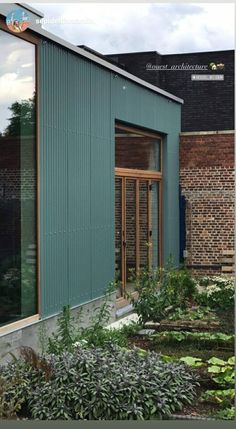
17, 71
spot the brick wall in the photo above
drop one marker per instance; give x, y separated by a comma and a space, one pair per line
17, 194
207, 182
208, 105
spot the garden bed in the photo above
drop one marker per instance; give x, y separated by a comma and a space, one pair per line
192, 320
199, 408
177, 351
179, 366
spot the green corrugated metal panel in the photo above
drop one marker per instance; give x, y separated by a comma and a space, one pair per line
53, 188
137, 105
79, 180
79, 104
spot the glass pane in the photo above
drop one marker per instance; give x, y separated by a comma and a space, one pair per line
143, 222
137, 151
154, 224
17, 179
118, 230
130, 227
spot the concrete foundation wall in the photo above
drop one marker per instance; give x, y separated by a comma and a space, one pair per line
30, 335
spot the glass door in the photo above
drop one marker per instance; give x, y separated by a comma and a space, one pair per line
137, 228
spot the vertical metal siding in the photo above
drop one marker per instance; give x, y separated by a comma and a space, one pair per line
79, 181
102, 261
79, 104
53, 186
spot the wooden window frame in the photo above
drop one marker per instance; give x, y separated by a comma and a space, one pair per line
144, 133
30, 37
141, 174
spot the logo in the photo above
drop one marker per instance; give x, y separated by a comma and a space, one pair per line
215, 66
17, 20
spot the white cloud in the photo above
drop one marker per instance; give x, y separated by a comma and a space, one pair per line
12, 88
16, 82
127, 27
24, 66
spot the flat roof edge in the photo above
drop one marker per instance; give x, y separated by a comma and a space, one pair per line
31, 9
108, 65
44, 33
173, 54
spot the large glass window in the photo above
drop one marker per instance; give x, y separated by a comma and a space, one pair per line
17, 179
137, 150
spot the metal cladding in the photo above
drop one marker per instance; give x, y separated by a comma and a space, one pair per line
79, 103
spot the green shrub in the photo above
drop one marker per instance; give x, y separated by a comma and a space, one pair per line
9, 407
92, 384
218, 294
66, 335
70, 333
162, 291
226, 414
102, 337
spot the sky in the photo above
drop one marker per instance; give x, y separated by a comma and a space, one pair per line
131, 27
112, 28
17, 70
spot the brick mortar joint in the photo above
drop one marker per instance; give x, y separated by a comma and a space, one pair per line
206, 133
229, 193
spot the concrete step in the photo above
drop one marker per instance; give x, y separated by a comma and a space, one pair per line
124, 311
126, 320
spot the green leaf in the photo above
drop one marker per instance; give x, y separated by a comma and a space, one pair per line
167, 358
216, 361
229, 378
192, 361
231, 360
142, 352
215, 369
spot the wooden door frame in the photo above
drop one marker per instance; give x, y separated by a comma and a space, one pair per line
138, 175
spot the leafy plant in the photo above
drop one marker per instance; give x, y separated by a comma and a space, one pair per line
226, 414
70, 333
103, 384
192, 361
102, 337
222, 397
202, 313
8, 407
198, 338
162, 291
147, 283
16, 381
65, 336
222, 371
218, 294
